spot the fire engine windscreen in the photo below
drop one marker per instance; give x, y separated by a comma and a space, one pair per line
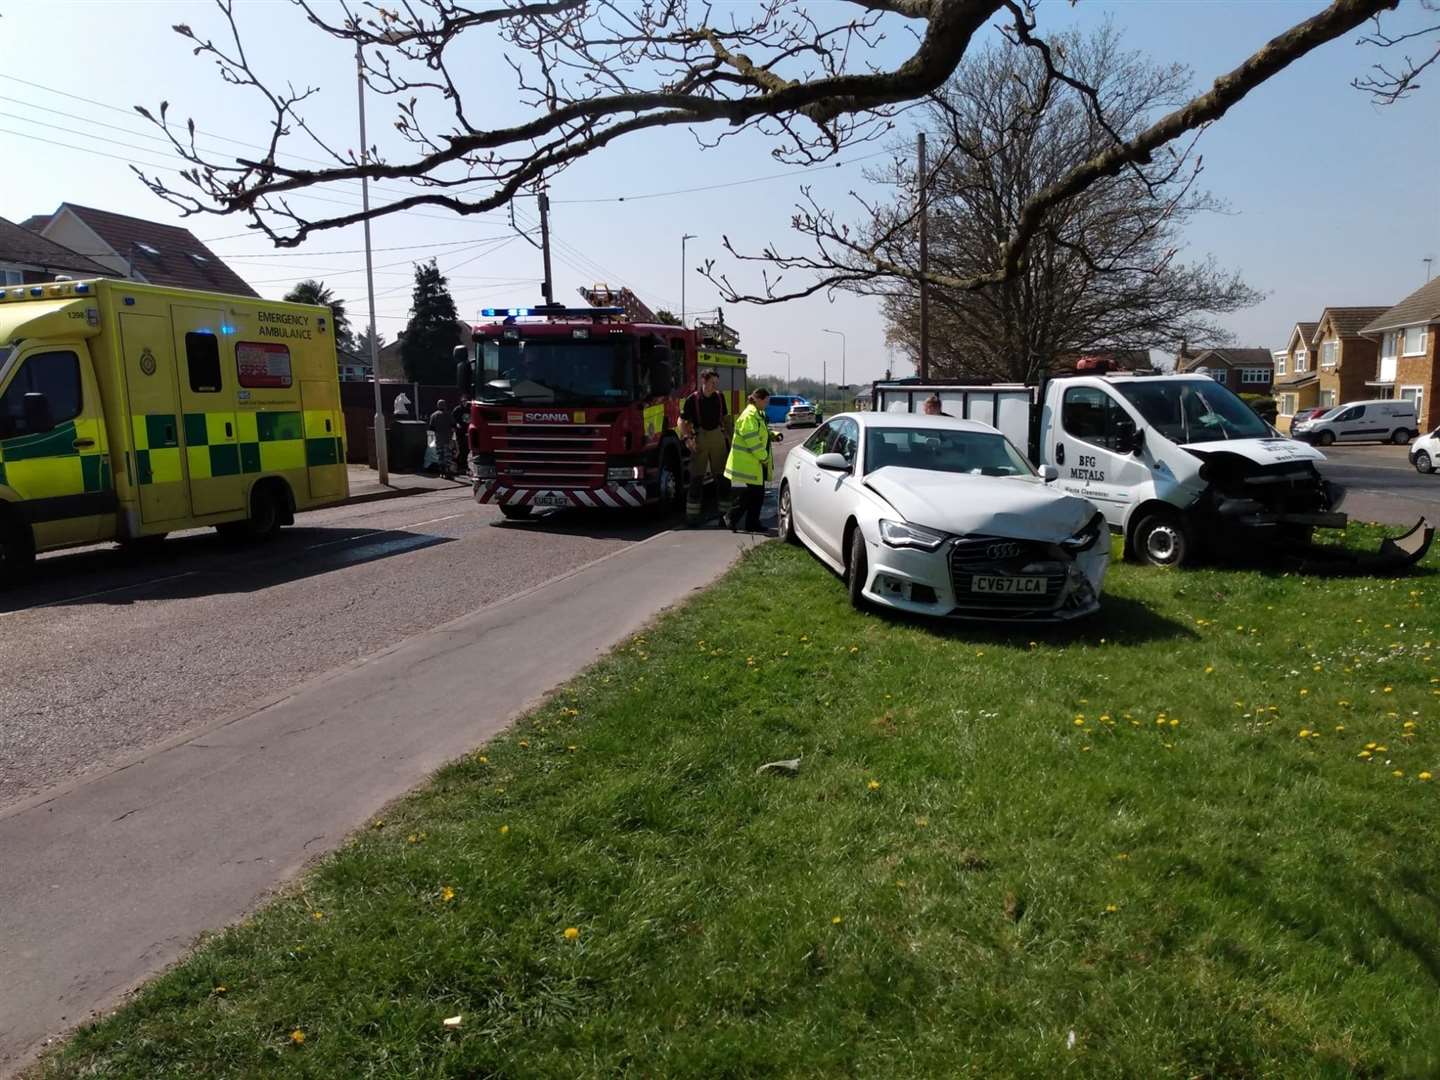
559, 371
1194, 410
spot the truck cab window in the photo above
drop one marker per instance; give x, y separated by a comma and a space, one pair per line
54, 374
1093, 416
202, 358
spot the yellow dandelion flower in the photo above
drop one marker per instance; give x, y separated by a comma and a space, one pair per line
1318, 667
1398, 773
447, 894
836, 920
1079, 721
1111, 909
1423, 776
378, 823
1304, 733
873, 785
1365, 754
1174, 722
222, 989
1121, 856
572, 933
1209, 669
482, 759
412, 839
1381, 749
572, 748
1304, 692
525, 744
1160, 721
1339, 727
317, 915
1408, 724
1388, 690
297, 1037
504, 830
856, 648
1370, 745
1105, 719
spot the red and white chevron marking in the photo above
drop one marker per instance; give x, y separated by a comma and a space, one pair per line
612, 496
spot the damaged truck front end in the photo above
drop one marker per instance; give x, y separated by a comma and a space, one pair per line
1267, 500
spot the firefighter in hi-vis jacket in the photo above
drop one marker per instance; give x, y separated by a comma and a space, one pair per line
706, 425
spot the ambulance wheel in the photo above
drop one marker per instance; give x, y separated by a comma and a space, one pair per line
787, 515
266, 513
516, 513
857, 569
1325, 438
1161, 539
17, 551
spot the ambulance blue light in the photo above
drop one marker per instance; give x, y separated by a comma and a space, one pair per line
37, 291
226, 329
82, 288
2, 294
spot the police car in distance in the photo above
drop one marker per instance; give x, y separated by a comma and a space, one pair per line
938, 516
801, 414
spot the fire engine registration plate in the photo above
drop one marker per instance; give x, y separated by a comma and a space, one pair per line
551, 498
1007, 584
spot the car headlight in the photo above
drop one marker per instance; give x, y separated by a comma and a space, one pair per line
1087, 537
901, 534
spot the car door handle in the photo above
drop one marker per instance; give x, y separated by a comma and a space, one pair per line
80, 444
229, 431
1059, 453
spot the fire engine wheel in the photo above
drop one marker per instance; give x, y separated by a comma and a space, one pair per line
787, 519
515, 513
1423, 464
17, 551
1161, 539
1326, 438
669, 490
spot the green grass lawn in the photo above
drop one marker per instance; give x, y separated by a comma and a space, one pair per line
1194, 836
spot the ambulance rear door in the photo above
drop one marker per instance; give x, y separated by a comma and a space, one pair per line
207, 398
155, 463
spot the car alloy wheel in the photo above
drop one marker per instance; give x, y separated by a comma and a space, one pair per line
787, 522
1423, 463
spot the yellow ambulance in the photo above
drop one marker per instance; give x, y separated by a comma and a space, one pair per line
128, 411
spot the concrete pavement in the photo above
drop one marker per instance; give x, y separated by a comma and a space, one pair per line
109, 879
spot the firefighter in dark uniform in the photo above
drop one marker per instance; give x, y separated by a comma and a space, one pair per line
705, 424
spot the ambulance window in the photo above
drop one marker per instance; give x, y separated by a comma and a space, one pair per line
202, 357
54, 374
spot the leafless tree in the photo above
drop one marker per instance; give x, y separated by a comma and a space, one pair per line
589, 73
1103, 272
1389, 86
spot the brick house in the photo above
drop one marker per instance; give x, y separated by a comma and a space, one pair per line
141, 250
1245, 371
1297, 383
27, 258
1409, 353
1344, 360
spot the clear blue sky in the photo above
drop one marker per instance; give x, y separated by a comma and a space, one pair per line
1333, 199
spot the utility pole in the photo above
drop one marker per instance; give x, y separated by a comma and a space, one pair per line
382, 463
687, 236
922, 178
545, 288
786, 355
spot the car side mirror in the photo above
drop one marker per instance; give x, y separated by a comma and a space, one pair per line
38, 417
1133, 441
833, 463
1049, 473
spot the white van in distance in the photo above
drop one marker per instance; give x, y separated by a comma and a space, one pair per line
1382, 420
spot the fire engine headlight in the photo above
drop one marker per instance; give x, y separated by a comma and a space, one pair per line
623, 473
483, 472
901, 534
1087, 537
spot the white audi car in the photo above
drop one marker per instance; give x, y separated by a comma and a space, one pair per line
939, 516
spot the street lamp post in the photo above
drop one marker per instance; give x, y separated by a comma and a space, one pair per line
786, 355
382, 463
687, 236
841, 336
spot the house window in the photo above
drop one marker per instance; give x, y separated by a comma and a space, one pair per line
1302, 360
1287, 404
1280, 365
1329, 353
1387, 346
1327, 399
1414, 341
1254, 375
11, 277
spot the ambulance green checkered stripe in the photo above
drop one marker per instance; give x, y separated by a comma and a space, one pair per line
195, 433
2, 474
275, 426
322, 451
95, 468
57, 443
160, 431
225, 460
142, 467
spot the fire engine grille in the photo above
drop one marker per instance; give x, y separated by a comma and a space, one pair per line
550, 455
997, 556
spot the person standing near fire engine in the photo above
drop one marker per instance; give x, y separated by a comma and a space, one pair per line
706, 427
443, 426
750, 461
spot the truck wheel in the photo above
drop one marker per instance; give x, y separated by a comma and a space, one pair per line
787, 519
1161, 539
1325, 438
1400, 437
515, 513
1423, 464
669, 490
17, 552
857, 570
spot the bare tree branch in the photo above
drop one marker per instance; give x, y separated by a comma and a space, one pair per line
1386, 86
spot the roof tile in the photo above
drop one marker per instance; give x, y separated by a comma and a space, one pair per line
1421, 306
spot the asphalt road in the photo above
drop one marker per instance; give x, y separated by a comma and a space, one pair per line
1381, 470
110, 653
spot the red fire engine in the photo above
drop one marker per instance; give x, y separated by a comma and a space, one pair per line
577, 407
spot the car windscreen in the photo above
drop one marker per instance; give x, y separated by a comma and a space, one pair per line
558, 371
1193, 410
941, 449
